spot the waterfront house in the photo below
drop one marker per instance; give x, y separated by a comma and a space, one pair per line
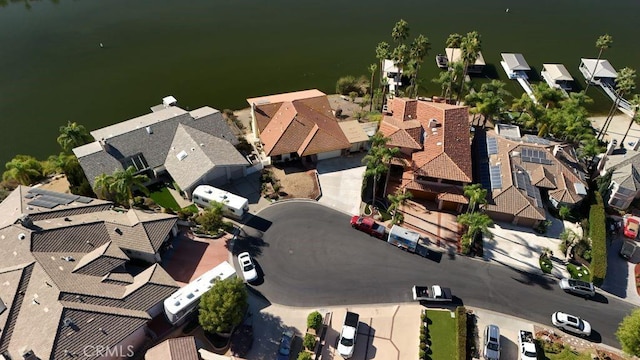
455, 55
522, 173
298, 125
624, 165
557, 76
392, 72
69, 288
188, 147
434, 141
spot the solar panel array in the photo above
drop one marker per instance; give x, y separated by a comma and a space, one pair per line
524, 183
496, 179
492, 145
50, 199
534, 139
535, 156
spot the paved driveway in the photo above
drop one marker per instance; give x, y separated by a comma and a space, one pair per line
341, 183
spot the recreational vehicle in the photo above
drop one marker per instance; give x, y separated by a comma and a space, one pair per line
185, 301
234, 206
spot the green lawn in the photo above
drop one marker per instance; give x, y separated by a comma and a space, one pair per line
442, 333
163, 198
582, 274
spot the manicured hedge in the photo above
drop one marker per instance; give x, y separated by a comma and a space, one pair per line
598, 235
461, 328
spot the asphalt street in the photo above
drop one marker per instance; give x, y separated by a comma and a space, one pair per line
308, 255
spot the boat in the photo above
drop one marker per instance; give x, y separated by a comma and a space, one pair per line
442, 61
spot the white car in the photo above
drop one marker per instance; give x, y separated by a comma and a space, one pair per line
570, 323
248, 267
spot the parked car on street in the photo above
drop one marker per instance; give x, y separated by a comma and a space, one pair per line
249, 271
284, 350
628, 249
571, 323
631, 225
491, 342
369, 226
578, 287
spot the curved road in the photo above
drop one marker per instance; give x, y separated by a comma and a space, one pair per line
310, 256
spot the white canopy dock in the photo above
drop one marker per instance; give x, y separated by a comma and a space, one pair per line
600, 69
455, 55
514, 65
557, 76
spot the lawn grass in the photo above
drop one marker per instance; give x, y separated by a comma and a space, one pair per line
164, 198
442, 333
579, 275
567, 354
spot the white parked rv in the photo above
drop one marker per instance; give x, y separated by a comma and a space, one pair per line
184, 301
234, 206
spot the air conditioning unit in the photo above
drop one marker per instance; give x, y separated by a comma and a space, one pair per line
29, 355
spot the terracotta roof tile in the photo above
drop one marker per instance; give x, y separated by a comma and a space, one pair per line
182, 348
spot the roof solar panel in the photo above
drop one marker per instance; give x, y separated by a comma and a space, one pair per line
496, 179
84, 199
55, 199
43, 203
492, 145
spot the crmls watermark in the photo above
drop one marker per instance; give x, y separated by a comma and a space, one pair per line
108, 350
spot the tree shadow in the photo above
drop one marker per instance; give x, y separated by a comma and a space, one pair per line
258, 223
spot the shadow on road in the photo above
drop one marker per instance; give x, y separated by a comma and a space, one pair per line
258, 223
595, 337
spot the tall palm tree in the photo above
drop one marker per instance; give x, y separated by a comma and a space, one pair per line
73, 135
625, 83
489, 101
383, 51
124, 183
417, 52
101, 185
477, 195
400, 57
398, 199
372, 70
476, 223
377, 160
635, 104
56, 164
400, 32
547, 96
453, 41
24, 169
455, 71
603, 42
470, 49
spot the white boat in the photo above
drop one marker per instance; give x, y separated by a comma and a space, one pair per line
442, 61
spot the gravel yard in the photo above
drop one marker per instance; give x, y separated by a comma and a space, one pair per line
296, 182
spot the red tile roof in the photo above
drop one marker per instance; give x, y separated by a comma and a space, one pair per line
305, 126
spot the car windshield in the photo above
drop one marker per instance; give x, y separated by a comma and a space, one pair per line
580, 324
284, 350
492, 346
248, 267
346, 342
530, 354
284, 346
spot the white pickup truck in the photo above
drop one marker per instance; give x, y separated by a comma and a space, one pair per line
348, 335
527, 346
433, 293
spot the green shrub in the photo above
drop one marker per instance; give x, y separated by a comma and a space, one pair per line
314, 320
461, 328
347, 84
304, 356
598, 235
422, 354
309, 341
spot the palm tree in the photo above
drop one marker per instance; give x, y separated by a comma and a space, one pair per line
417, 52
56, 164
453, 41
398, 199
377, 160
470, 49
125, 181
383, 51
547, 96
455, 72
604, 42
400, 56
400, 31
476, 223
477, 195
625, 83
101, 185
372, 70
24, 169
635, 104
489, 101
73, 135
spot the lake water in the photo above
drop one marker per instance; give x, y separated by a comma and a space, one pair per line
220, 52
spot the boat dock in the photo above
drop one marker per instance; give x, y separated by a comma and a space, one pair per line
604, 75
516, 68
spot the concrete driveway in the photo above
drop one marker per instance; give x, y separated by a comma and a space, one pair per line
341, 183
509, 331
520, 247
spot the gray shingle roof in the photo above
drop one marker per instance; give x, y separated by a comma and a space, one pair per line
182, 348
204, 152
150, 135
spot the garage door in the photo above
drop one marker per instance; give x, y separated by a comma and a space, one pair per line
329, 154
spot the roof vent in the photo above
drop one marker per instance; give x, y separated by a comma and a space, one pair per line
149, 130
193, 149
22, 236
433, 123
68, 322
439, 143
118, 231
182, 155
68, 258
28, 354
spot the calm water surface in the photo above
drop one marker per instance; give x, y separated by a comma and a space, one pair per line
220, 52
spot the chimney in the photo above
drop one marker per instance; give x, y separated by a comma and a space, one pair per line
612, 146
556, 148
602, 162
